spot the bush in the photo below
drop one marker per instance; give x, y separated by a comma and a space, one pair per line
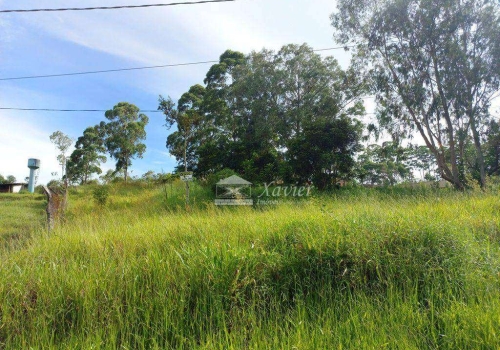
55, 184
39, 189
101, 195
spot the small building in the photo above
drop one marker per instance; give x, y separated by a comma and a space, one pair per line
13, 187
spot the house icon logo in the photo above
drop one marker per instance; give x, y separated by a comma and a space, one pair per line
233, 191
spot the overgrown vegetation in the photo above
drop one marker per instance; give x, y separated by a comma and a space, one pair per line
21, 215
363, 268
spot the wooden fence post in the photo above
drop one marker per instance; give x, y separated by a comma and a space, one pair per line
56, 204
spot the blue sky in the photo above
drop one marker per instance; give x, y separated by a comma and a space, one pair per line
60, 42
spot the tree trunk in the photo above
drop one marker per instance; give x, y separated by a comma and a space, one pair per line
85, 176
451, 136
479, 150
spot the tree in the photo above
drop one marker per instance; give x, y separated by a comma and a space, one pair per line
8, 179
422, 160
87, 156
111, 176
62, 143
254, 108
492, 147
385, 164
188, 117
124, 133
324, 151
435, 66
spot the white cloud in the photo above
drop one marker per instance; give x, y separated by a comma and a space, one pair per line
25, 135
22, 140
170, 35
128, 38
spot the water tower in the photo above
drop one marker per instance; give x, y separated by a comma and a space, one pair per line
34, 165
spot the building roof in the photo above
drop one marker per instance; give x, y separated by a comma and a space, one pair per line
14, 184
233, 180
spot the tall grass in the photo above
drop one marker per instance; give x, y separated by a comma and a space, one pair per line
21, 215
362, 270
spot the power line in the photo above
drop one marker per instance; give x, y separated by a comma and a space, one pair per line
114, 7
135, 68
81, 110
106, 71
335, 48
67, 110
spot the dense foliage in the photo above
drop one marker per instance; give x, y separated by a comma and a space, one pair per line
259, 115
8, 179
124, 132
435, 68
88, 154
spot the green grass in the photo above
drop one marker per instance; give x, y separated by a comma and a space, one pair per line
21, 215
356, 269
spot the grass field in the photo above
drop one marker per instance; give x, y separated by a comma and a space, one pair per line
356, 269
20, 216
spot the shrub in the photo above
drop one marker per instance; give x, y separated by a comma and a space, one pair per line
101, 195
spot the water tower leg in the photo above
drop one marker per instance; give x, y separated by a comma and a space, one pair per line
31, 184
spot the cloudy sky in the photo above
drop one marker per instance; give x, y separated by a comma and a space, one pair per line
62, 42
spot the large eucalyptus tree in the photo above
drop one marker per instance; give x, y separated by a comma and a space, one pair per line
435, 67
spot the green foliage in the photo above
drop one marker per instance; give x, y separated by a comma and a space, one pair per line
324, 151
188, 118
39, 189
385, 165
62, 142
55, 184
87, 156
435, 67
101, 195
422, 160
492, 148
124, 133
8, 179
212, 179
111, 176
254, 108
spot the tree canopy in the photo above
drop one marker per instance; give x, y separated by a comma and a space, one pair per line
255, 109
62, 142
435, 66
8, 179
88, 154
124, 133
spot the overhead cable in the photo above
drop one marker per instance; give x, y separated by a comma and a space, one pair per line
112, 7
66, 110
134, 68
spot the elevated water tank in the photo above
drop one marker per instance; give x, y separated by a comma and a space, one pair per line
34, 165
